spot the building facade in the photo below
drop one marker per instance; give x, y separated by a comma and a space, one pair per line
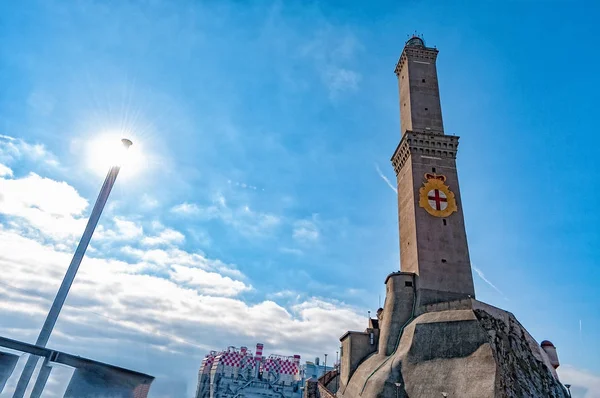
236, 372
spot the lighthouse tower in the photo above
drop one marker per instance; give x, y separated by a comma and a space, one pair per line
433, 241
432, 338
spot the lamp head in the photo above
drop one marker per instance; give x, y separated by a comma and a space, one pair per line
110, 150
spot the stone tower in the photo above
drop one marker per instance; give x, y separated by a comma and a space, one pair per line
433, 241
432, 338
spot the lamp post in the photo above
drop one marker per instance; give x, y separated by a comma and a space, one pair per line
568, 389
398, 385
337, 364
61, 296
325, 366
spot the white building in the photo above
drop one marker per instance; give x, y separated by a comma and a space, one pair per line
238, 373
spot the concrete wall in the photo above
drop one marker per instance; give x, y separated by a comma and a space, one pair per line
324, 392
479, 352
397, 309
100, 381
345, 359
7, 366
311, 389
356, 346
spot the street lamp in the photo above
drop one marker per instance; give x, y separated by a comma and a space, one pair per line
337, 364
61, 296
398, 385
568, 389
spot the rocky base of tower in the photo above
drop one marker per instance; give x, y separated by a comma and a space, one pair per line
465, 349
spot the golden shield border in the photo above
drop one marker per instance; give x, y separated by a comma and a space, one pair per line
437, 183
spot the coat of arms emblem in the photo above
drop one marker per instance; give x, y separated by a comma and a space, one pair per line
435, 196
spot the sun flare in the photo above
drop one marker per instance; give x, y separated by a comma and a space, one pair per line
110, 150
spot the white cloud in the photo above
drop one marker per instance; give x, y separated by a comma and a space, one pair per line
148, 202
128, 229
167, 236
333, 51
242, 218
5, 171
164, 258
306, 231
155, 310
384, 178
482, 276
207, 282
285, 294
12, 148
52, 207
339, 80
585, 384
291, 250
124, 308
186, 208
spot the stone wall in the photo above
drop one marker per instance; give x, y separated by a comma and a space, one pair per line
397, 309
324, 392
477, 352
311, 389
356, 346
521, 373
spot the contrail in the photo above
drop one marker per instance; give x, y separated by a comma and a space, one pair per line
482, 276
385, 178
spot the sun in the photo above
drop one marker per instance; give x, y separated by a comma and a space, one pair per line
108, 150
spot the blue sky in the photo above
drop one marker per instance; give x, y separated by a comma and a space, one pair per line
265, 130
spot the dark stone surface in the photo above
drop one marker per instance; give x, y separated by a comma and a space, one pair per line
521, 373
460, 339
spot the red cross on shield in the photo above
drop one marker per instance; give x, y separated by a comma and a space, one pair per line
437, 199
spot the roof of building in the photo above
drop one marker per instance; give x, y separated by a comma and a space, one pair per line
415, 41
